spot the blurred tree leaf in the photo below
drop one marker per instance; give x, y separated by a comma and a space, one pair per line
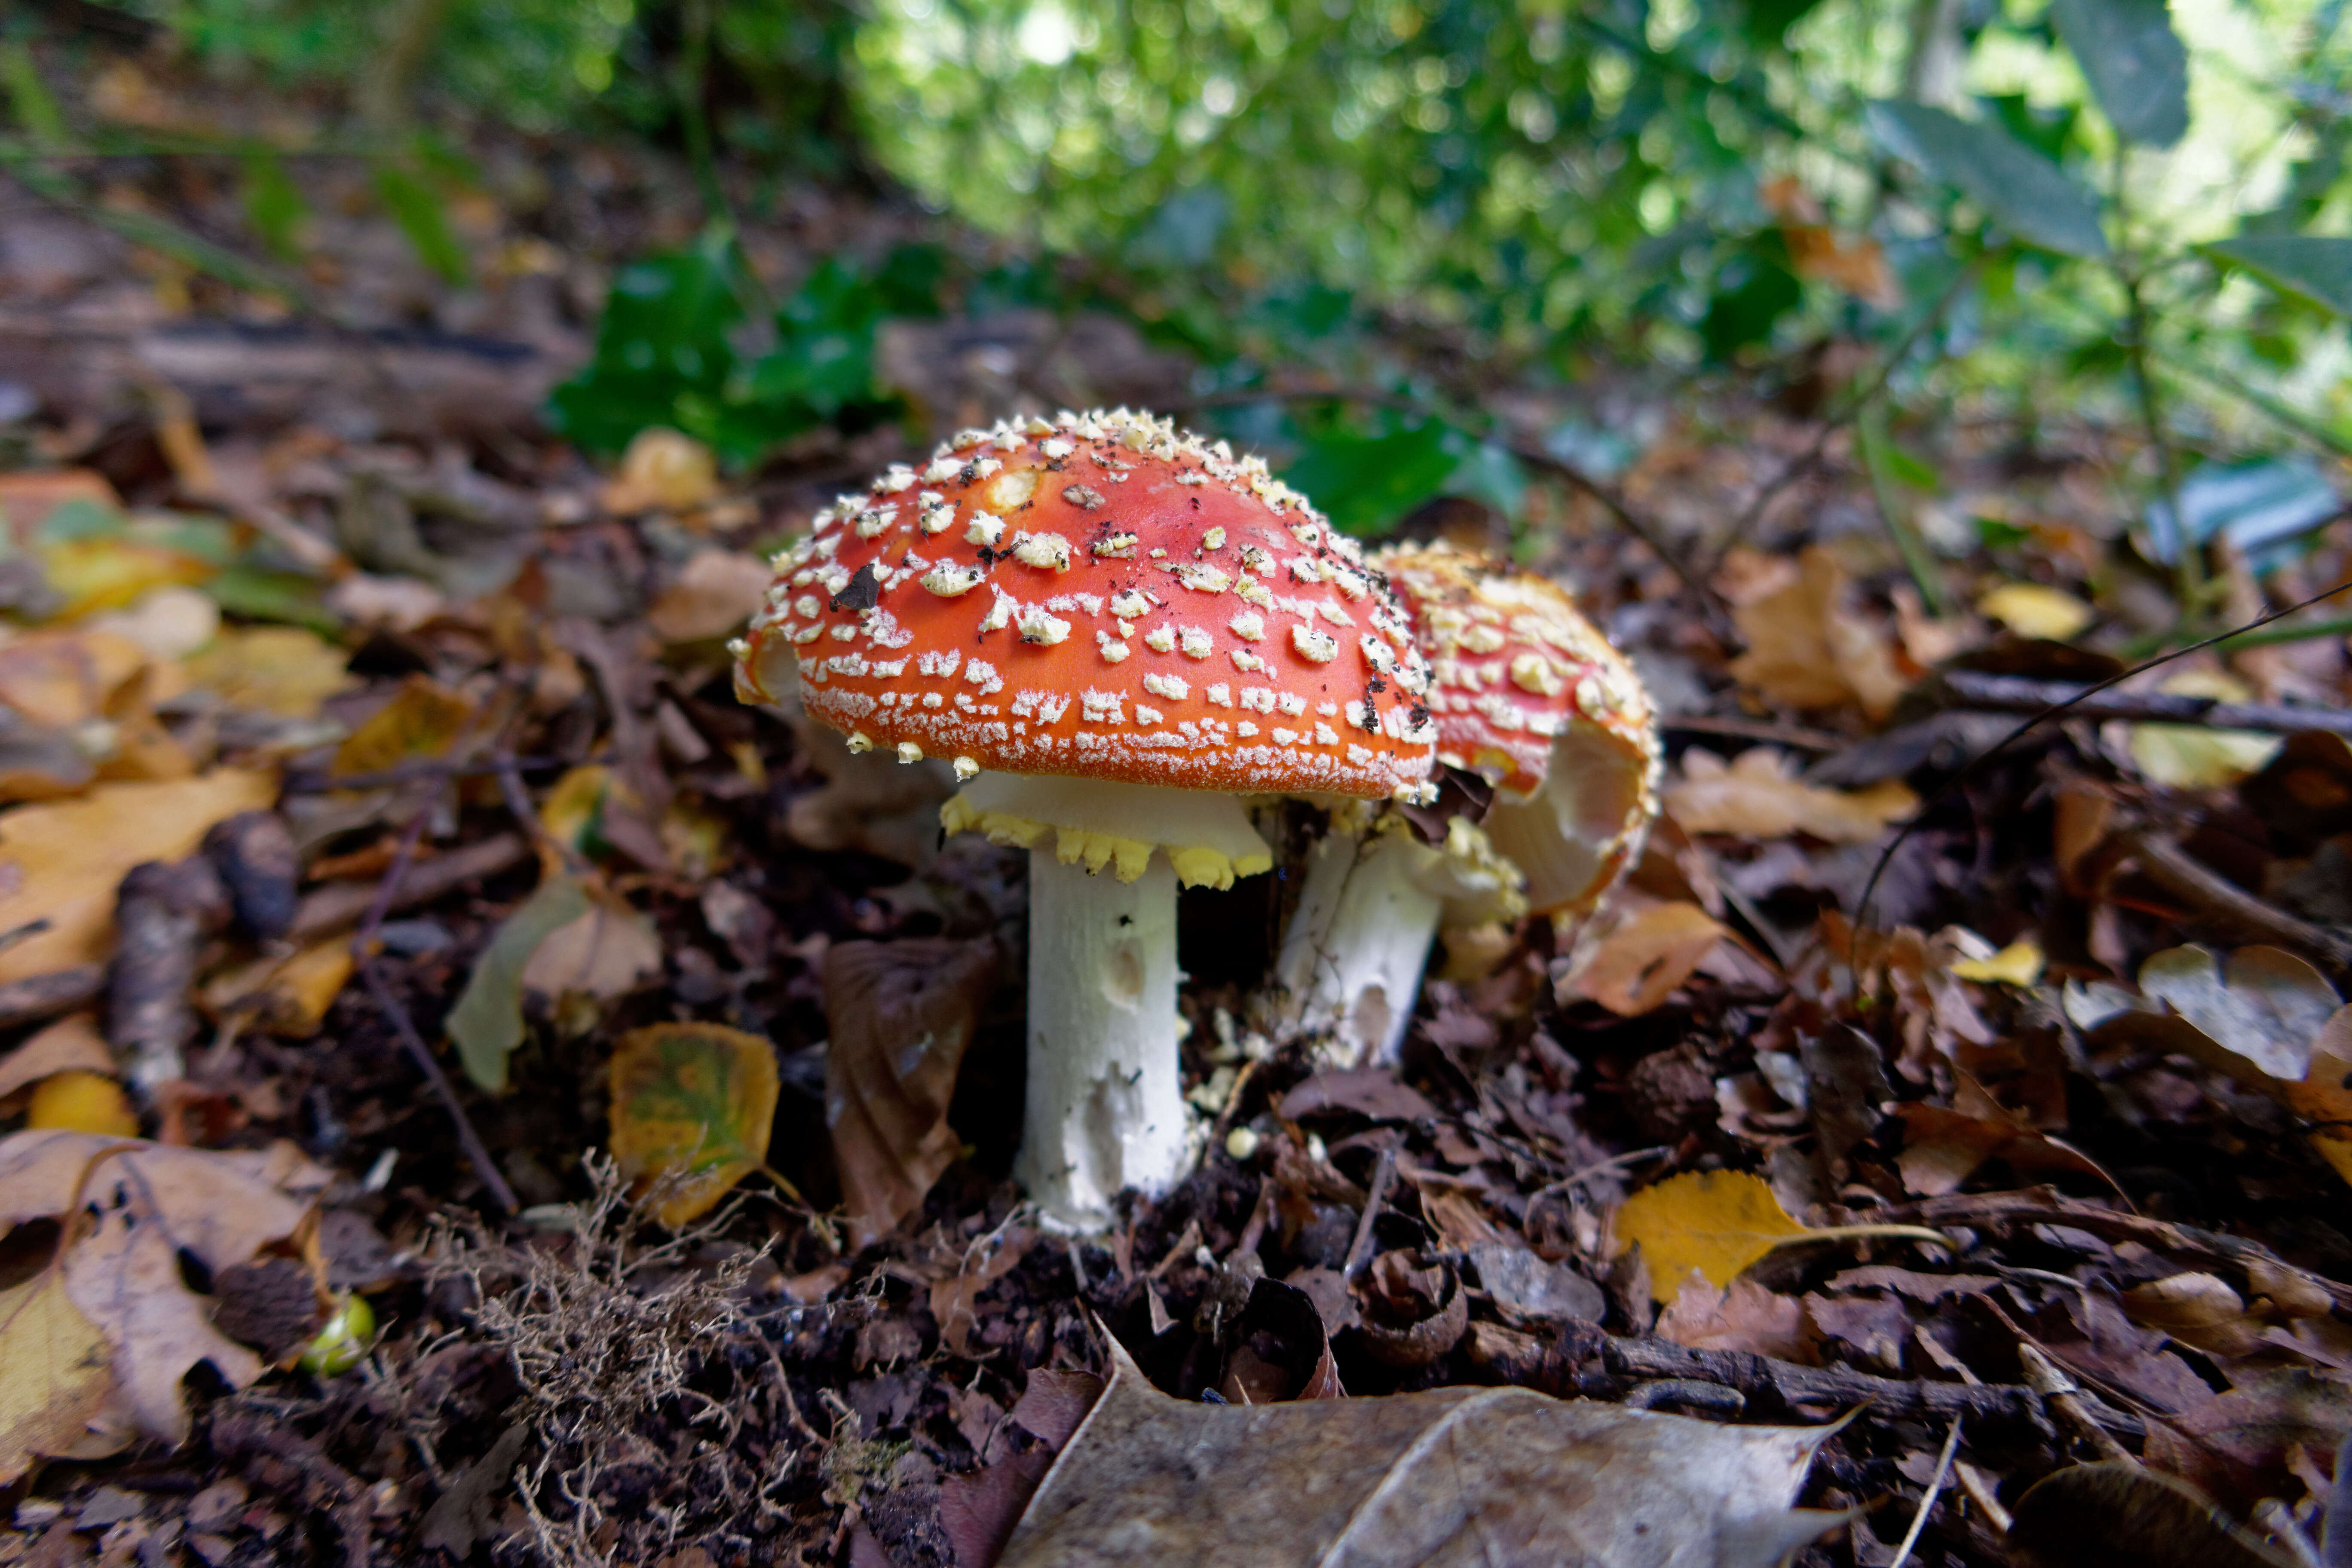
1753, 291
273, 207
36, 110
1366, 483
2020, 189
423, 217
2135, 63
2044, 130
666, 351
2309, 266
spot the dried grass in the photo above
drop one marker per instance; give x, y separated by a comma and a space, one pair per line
659, 1416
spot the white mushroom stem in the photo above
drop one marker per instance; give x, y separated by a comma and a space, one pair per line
1106, 1106
1352, 958
1105, 1100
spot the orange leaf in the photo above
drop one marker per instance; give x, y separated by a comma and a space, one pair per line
1642, 961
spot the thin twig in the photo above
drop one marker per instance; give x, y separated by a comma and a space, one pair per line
476, 1155
1359, 1250
2019, 694
1794, 737
1927, 1503
2217, 899
410, 772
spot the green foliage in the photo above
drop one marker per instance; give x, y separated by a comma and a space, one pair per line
2020, 188
675, 349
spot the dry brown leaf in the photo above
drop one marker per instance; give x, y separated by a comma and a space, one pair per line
1758, 795
155, 1202
1641, 962
28, 496
2197, 1309
70, 1045
66, 678
2118, 1512
1855, 263
662, 470
1742, 1316
56, 1386
61, 860
1505, 1476
609, 952
715, 594
901, 1015
1808, 647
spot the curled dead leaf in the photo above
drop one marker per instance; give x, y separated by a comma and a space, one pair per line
1638, 965
901, 1015
1809, 647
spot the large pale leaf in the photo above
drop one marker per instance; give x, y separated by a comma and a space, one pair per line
157, 1203
2022, 191
1502, 1477
2135, 63
2317, 268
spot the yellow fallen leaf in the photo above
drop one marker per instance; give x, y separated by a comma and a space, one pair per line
1640, 964
61, 860
2018, 963
109, 572
82, 1101
421, 721
2334, 1146
2193, 756
284, 670
692, 1104
576, 805
662, 471
1758, 795
1721, 1222
287, 996
56, 1385
2033, 610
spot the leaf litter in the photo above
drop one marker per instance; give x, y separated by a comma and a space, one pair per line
2090, 1037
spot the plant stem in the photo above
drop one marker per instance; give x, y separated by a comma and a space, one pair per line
2188, 568
1871, 430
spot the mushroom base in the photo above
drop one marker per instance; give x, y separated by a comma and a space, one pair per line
1106, 1105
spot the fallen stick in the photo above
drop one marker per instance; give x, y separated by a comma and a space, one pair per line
1780, 1383
340, 906
2017, 694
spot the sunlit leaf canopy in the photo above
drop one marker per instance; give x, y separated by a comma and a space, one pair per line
1273, 184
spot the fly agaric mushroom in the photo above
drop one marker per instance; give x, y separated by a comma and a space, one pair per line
1526, 693
1113, 630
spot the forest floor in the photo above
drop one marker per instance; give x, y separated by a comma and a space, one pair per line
2088, 1026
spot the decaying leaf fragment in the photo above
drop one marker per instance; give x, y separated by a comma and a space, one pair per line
901, 1014
1497, 1477
56, 1389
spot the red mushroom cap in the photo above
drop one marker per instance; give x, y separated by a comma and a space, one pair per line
1513, 664
1523, 689
1102, 595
